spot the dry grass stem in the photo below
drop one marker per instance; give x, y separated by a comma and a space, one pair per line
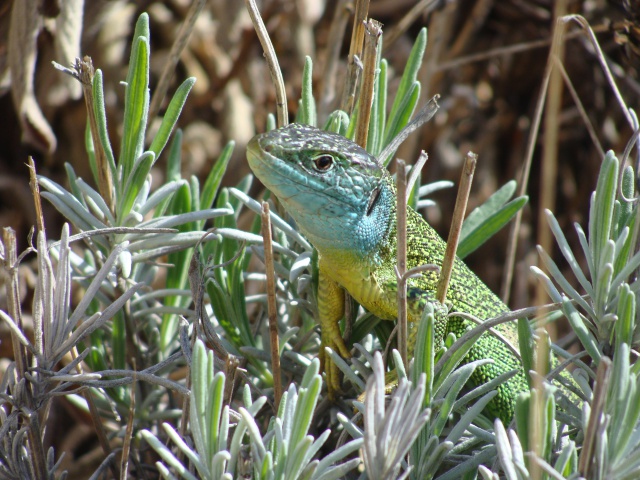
282, 114
420, 8
401, 260
373, 31
327, 82
523, 182
600, 392
85, 73
549, 167
466, 178
355, 53
271, 304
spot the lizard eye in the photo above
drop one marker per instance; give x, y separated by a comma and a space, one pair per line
323, 163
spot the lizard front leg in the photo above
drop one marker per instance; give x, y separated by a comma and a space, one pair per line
330, 311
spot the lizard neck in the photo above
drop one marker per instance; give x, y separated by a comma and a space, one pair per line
359, 234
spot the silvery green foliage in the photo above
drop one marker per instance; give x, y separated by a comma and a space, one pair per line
58, 329
465, 443
605, 442
285, 451
611, 262
166, 221
607, 447
389, 432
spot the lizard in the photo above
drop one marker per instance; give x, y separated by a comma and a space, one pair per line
344, 202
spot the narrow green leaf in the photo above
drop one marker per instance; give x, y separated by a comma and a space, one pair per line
564, 284
398, 120
567, 252
488, 208
213, 413
601, 215
73, 183
469, 416
136, 106
626, 312
577, 324
305, 407
406, 86
337, 122
171, 116
91, 152
489, 226
174, 160
307, 112
69, 206
212, 183
139, 171
522, 417
567, 462
423, 352
101, 119
526, 345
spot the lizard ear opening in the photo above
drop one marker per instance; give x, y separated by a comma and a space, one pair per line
375, 195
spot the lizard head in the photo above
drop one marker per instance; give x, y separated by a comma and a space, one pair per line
332, 187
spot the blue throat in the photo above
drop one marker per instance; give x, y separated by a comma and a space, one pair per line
363, 231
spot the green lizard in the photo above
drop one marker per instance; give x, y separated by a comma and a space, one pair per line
344, 202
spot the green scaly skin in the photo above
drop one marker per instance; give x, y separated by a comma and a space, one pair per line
345, 204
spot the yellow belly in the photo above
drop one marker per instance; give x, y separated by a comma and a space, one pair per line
361, 285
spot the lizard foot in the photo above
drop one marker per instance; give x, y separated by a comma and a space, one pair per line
331, 370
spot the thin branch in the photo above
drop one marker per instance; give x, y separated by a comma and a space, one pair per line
425, 114
197, 284
420, 8
466, 179
96, 419
487, 325
415, 172
35, 191
600, 391
512, 245
174, 56
493, 331
580, 20
117, 230
282, 115
271, 304
549, 160
508, 50
128, 434
401, 260
37, 458
576, 99
327, 83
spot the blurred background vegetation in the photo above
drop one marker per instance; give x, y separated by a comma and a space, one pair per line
485, 58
